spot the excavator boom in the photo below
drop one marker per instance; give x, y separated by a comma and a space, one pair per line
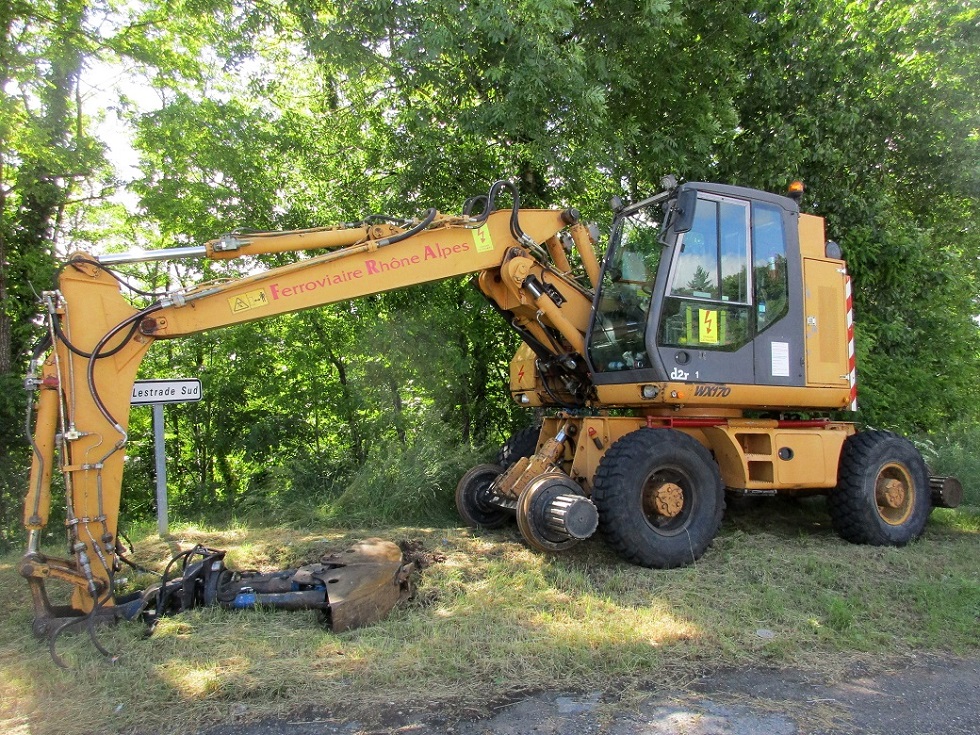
98, 339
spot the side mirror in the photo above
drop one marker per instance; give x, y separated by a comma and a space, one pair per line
683, 218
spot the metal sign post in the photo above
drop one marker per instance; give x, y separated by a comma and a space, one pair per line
160, 456
156, 393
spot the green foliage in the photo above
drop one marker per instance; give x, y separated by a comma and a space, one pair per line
13, 483
47, 158
294, 406
877, 109
398, 484
316, 112
957, 453
209, 166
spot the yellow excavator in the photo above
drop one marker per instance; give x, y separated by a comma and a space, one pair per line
705, 354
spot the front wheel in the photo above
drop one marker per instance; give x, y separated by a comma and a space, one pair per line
660, 498
882, 496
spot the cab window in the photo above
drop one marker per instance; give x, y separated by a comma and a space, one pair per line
710, 292
769, 265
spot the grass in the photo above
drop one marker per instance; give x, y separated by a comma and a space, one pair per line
494, 618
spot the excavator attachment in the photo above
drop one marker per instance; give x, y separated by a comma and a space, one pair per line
351, 588
363, 583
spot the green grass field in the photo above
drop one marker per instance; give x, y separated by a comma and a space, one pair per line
494, 618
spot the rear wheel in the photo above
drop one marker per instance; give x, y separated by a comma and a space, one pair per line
660, 498
473, 498
882, 496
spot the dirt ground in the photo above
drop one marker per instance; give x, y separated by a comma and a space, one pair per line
919, 695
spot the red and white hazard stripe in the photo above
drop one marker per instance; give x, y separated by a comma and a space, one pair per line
851, 360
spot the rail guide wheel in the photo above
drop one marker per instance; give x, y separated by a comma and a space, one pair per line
475, 496
553, 514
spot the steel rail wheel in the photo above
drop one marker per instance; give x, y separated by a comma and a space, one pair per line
474, 498
553, 514
660, 498
882, 496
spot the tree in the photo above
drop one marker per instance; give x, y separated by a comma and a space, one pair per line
877, 108
46, 158
317, 112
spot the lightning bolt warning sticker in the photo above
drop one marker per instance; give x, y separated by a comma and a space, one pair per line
481, 238
708, 326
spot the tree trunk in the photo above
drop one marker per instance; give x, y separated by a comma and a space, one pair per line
356, 439
396, 400
6, 334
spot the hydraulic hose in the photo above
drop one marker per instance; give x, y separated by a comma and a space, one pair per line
470, 203
430, 216
515, 226
103, 267
132, 321
88, 355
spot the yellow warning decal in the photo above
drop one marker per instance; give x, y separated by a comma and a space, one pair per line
708, 326
481, 238
248, 300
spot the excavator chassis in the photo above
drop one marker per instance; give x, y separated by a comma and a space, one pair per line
655, 483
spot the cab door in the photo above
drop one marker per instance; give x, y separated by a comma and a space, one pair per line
706, 320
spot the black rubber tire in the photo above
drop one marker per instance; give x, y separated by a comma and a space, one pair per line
522, 444
630, 470
858, 508
471, 502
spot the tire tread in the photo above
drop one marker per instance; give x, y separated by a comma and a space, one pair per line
521, 444
853, 517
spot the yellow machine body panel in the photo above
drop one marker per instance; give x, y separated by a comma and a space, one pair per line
752, 454
826, 323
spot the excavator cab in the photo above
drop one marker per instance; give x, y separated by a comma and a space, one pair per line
704, 287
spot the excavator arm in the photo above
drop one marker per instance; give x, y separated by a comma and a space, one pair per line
97, 339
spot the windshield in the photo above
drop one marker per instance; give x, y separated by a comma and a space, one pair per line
618, 338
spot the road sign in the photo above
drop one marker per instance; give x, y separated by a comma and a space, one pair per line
156, 393
180, 390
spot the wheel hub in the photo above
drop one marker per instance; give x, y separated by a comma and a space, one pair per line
891, 493
553, 514
666, 499
485, 496
894, 494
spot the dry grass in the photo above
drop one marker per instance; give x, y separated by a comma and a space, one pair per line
494, 619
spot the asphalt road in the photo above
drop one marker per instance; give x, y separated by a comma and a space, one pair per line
921, 695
